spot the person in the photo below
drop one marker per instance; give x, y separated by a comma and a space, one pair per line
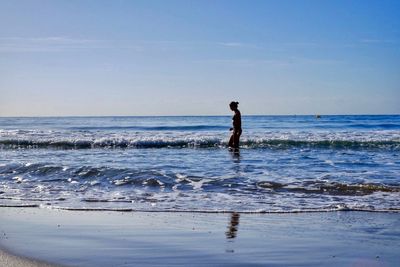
237, 126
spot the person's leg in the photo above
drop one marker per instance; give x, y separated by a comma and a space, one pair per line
231, 141
236, 140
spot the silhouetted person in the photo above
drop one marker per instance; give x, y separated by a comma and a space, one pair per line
237, 126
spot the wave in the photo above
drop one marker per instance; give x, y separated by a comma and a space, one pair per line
330, 188
131, 188
330, 208
153, 128
106, 178
195, 143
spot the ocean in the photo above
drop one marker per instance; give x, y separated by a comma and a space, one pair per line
182, 163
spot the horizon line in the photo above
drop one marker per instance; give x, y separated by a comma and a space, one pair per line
221, 115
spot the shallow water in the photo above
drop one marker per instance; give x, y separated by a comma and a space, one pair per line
286, 163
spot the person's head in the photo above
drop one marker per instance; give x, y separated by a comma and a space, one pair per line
234, 105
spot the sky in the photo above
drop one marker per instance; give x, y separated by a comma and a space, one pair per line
134, 58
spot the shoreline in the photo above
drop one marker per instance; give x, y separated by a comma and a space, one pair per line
10, 259
46, 237
130, 210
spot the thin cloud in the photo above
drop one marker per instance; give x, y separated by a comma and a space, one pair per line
199, 44
315, 61
280, 62
378, 41
245, 63
303, 44
237, 45
62, 43
55, 44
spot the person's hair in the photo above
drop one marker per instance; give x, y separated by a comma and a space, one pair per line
234, 104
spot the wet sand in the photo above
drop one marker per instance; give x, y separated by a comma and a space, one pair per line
94, 238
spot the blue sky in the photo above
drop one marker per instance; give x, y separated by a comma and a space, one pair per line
194, 57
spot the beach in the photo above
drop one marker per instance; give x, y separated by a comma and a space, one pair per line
199, 133
8, 259
166, 191
104, 238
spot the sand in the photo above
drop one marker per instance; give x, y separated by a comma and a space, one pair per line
9, 260
94, 238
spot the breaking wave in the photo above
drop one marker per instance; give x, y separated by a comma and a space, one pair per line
195, 143
287, 164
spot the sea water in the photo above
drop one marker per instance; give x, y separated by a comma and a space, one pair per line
182, 163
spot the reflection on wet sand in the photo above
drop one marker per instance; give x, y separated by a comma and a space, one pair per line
233, 226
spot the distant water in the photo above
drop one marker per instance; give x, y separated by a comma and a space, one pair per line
286, 163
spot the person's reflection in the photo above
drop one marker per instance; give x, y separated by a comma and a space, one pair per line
231, 233
236, 156
233, 226
236, 163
